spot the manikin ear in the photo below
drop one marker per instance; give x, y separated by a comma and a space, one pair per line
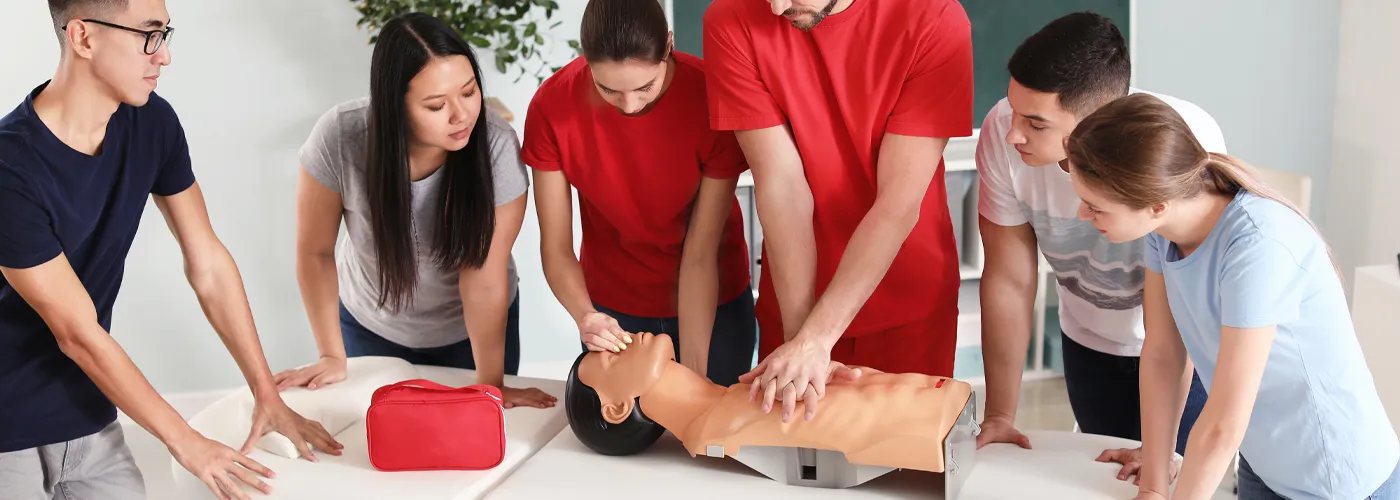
616, 412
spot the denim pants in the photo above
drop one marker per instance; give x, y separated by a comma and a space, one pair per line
1104, 394
732, 340
94, 467
360, 341
1253, 488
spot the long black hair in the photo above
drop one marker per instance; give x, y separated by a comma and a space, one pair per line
405, 45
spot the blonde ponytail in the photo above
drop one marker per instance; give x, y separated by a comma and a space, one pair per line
1226, 174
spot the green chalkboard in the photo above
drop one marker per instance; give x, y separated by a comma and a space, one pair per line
998, 26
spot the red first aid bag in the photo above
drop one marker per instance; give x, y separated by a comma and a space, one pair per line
423, 425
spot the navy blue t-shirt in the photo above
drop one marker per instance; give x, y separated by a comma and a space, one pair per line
56, 199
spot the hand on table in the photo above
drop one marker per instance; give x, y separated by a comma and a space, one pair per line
601, 332
1132, 464
800, 363
304, 433
512, 398
325, 371
216, 465
1001, 430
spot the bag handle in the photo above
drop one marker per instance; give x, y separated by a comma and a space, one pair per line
489, 390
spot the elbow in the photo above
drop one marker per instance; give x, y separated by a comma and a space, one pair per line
74, 340
1222, 435
901, 211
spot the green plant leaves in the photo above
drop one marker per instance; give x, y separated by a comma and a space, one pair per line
511, 29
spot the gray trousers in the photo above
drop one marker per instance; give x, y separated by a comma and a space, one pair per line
97, 466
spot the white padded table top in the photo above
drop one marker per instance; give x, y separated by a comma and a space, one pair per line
1061, 466
350, 475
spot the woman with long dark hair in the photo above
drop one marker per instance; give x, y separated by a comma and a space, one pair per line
663, 247
1242, 284
431, 189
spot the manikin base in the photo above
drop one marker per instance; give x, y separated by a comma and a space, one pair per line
830, 469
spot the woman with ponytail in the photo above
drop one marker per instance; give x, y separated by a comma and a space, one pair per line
431, 189
1241, 282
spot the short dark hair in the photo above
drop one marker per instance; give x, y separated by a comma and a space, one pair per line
63, 11
618, 30
584, 410
1082, 57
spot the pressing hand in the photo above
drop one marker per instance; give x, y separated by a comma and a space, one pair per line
601, 332
325, 371
1132, 464
512, 398
1001, 430
800, 363
216, 465
304, 433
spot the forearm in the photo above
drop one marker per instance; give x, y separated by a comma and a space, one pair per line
1163, 397
1006, 333
109, 367
320, 295
219, 288
698, 297
1212, 445
565, 277
786, 215
485, 310
868, 256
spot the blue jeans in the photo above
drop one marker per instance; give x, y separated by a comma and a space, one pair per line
1105, 396
360, 341
1252, 487
732, 340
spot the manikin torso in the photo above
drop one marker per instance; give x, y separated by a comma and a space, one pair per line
881, 419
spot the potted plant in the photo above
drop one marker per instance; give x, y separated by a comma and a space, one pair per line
512, 29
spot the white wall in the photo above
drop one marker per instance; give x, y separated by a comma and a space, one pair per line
244, 126
1362, 201
1265, 69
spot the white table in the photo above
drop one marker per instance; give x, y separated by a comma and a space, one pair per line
1061, 466
351, 477
1376, 313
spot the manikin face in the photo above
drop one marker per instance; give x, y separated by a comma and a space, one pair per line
118, 56
632, 86
443, 103
619, 378
803, 14
1039, 125
1117, 222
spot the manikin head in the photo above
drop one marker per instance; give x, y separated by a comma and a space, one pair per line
627, 45
804, 14
120, 44
426, 102
602, 391
1060, 75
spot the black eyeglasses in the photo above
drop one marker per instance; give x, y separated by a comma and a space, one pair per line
154, 38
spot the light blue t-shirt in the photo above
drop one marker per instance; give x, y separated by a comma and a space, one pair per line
1317, 429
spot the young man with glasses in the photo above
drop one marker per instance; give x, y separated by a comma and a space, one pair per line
78, 159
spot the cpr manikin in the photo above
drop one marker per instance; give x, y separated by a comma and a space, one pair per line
620, 403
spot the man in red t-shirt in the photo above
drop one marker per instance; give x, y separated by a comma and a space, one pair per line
843, 108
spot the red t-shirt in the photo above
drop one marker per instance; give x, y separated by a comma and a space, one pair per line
637, 178
898, 66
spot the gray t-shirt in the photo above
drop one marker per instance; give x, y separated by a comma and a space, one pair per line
336, 155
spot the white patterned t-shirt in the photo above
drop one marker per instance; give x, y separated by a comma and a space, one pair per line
1099, 283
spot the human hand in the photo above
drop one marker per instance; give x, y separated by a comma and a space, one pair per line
511, 398
1001, 430
325, 371
1132, 464
800, 363
601, 332
215, 465
302, 432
